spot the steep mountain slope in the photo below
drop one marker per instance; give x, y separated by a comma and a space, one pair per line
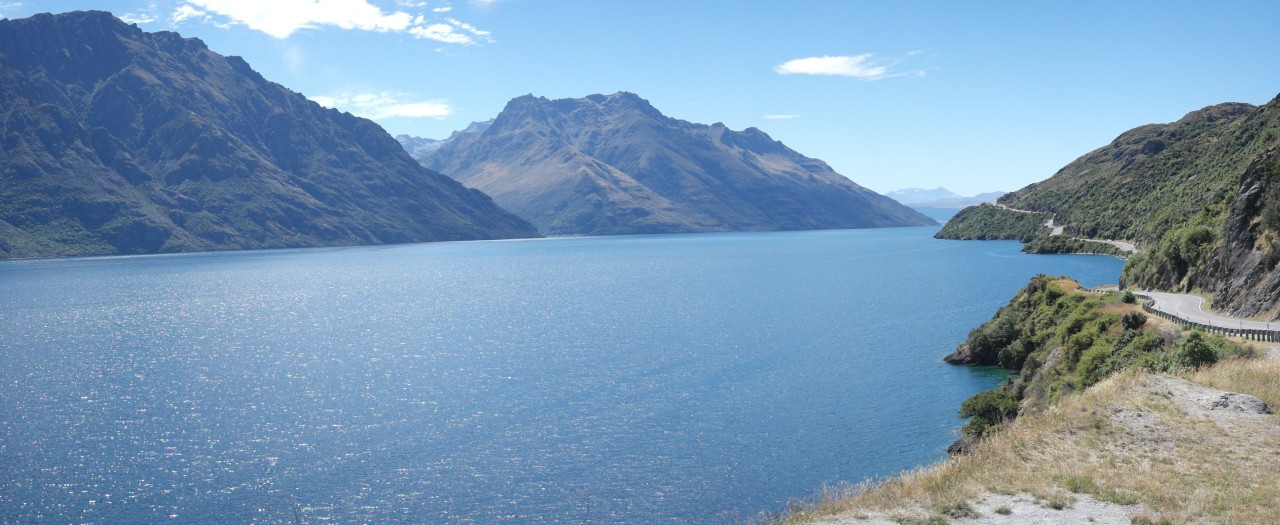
1194, 195
1152, 178
118, 141
615, 165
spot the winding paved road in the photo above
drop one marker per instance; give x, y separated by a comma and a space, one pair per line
1056, 230
1125, 246
1191, 308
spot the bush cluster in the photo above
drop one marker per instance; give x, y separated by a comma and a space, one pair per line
1055, 341
987, 222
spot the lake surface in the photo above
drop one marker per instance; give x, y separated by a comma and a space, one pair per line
644, 379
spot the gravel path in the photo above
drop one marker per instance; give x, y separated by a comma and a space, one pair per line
1017, 509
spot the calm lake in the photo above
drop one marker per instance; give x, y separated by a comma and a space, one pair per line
644, 379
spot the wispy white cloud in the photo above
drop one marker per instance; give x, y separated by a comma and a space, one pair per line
137, 18
442, 9
781, 116
142, 16
471, 29
294, 58
186, 12
858, 66
864, 67
441, 33
6, 6
385, 104
282, 18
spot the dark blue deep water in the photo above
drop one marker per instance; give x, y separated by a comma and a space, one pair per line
646, 379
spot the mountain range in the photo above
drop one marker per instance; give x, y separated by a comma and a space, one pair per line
614, 164
940, 197
120, 141
940, 203
1198, 196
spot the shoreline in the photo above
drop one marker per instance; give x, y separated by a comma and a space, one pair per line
979, 488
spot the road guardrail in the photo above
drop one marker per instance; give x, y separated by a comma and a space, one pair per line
1271, 336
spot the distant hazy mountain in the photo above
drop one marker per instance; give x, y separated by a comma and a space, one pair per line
120, 141
940, 198
939, 203
915, 195
615, 164
419, 147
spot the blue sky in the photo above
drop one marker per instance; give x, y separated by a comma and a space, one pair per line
974, 96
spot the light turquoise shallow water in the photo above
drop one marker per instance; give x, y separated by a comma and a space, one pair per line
645, 379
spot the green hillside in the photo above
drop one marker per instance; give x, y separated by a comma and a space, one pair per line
1194, 195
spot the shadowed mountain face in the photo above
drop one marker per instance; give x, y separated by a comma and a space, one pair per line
615, 165
118, 141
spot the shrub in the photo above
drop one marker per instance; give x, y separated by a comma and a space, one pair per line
1133, 320
1012, 357
1093, 365
1193, 351
987, 409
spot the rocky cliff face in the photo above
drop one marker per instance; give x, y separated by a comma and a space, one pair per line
615, 165
1241, 272
119, 141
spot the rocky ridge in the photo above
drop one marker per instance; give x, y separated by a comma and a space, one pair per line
614, 164
120, 141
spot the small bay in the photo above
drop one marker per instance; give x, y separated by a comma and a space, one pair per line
642, 379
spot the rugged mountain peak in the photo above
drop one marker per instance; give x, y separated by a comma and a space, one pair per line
121, 141
623, 100
618, 99
608, 164
1216, 113
752, 139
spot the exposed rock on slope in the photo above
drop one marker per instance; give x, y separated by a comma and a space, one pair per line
1241, 272
615, 165
119, 141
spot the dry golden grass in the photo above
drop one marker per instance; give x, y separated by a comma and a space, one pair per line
1067, 284
1129, 439
1258, 377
